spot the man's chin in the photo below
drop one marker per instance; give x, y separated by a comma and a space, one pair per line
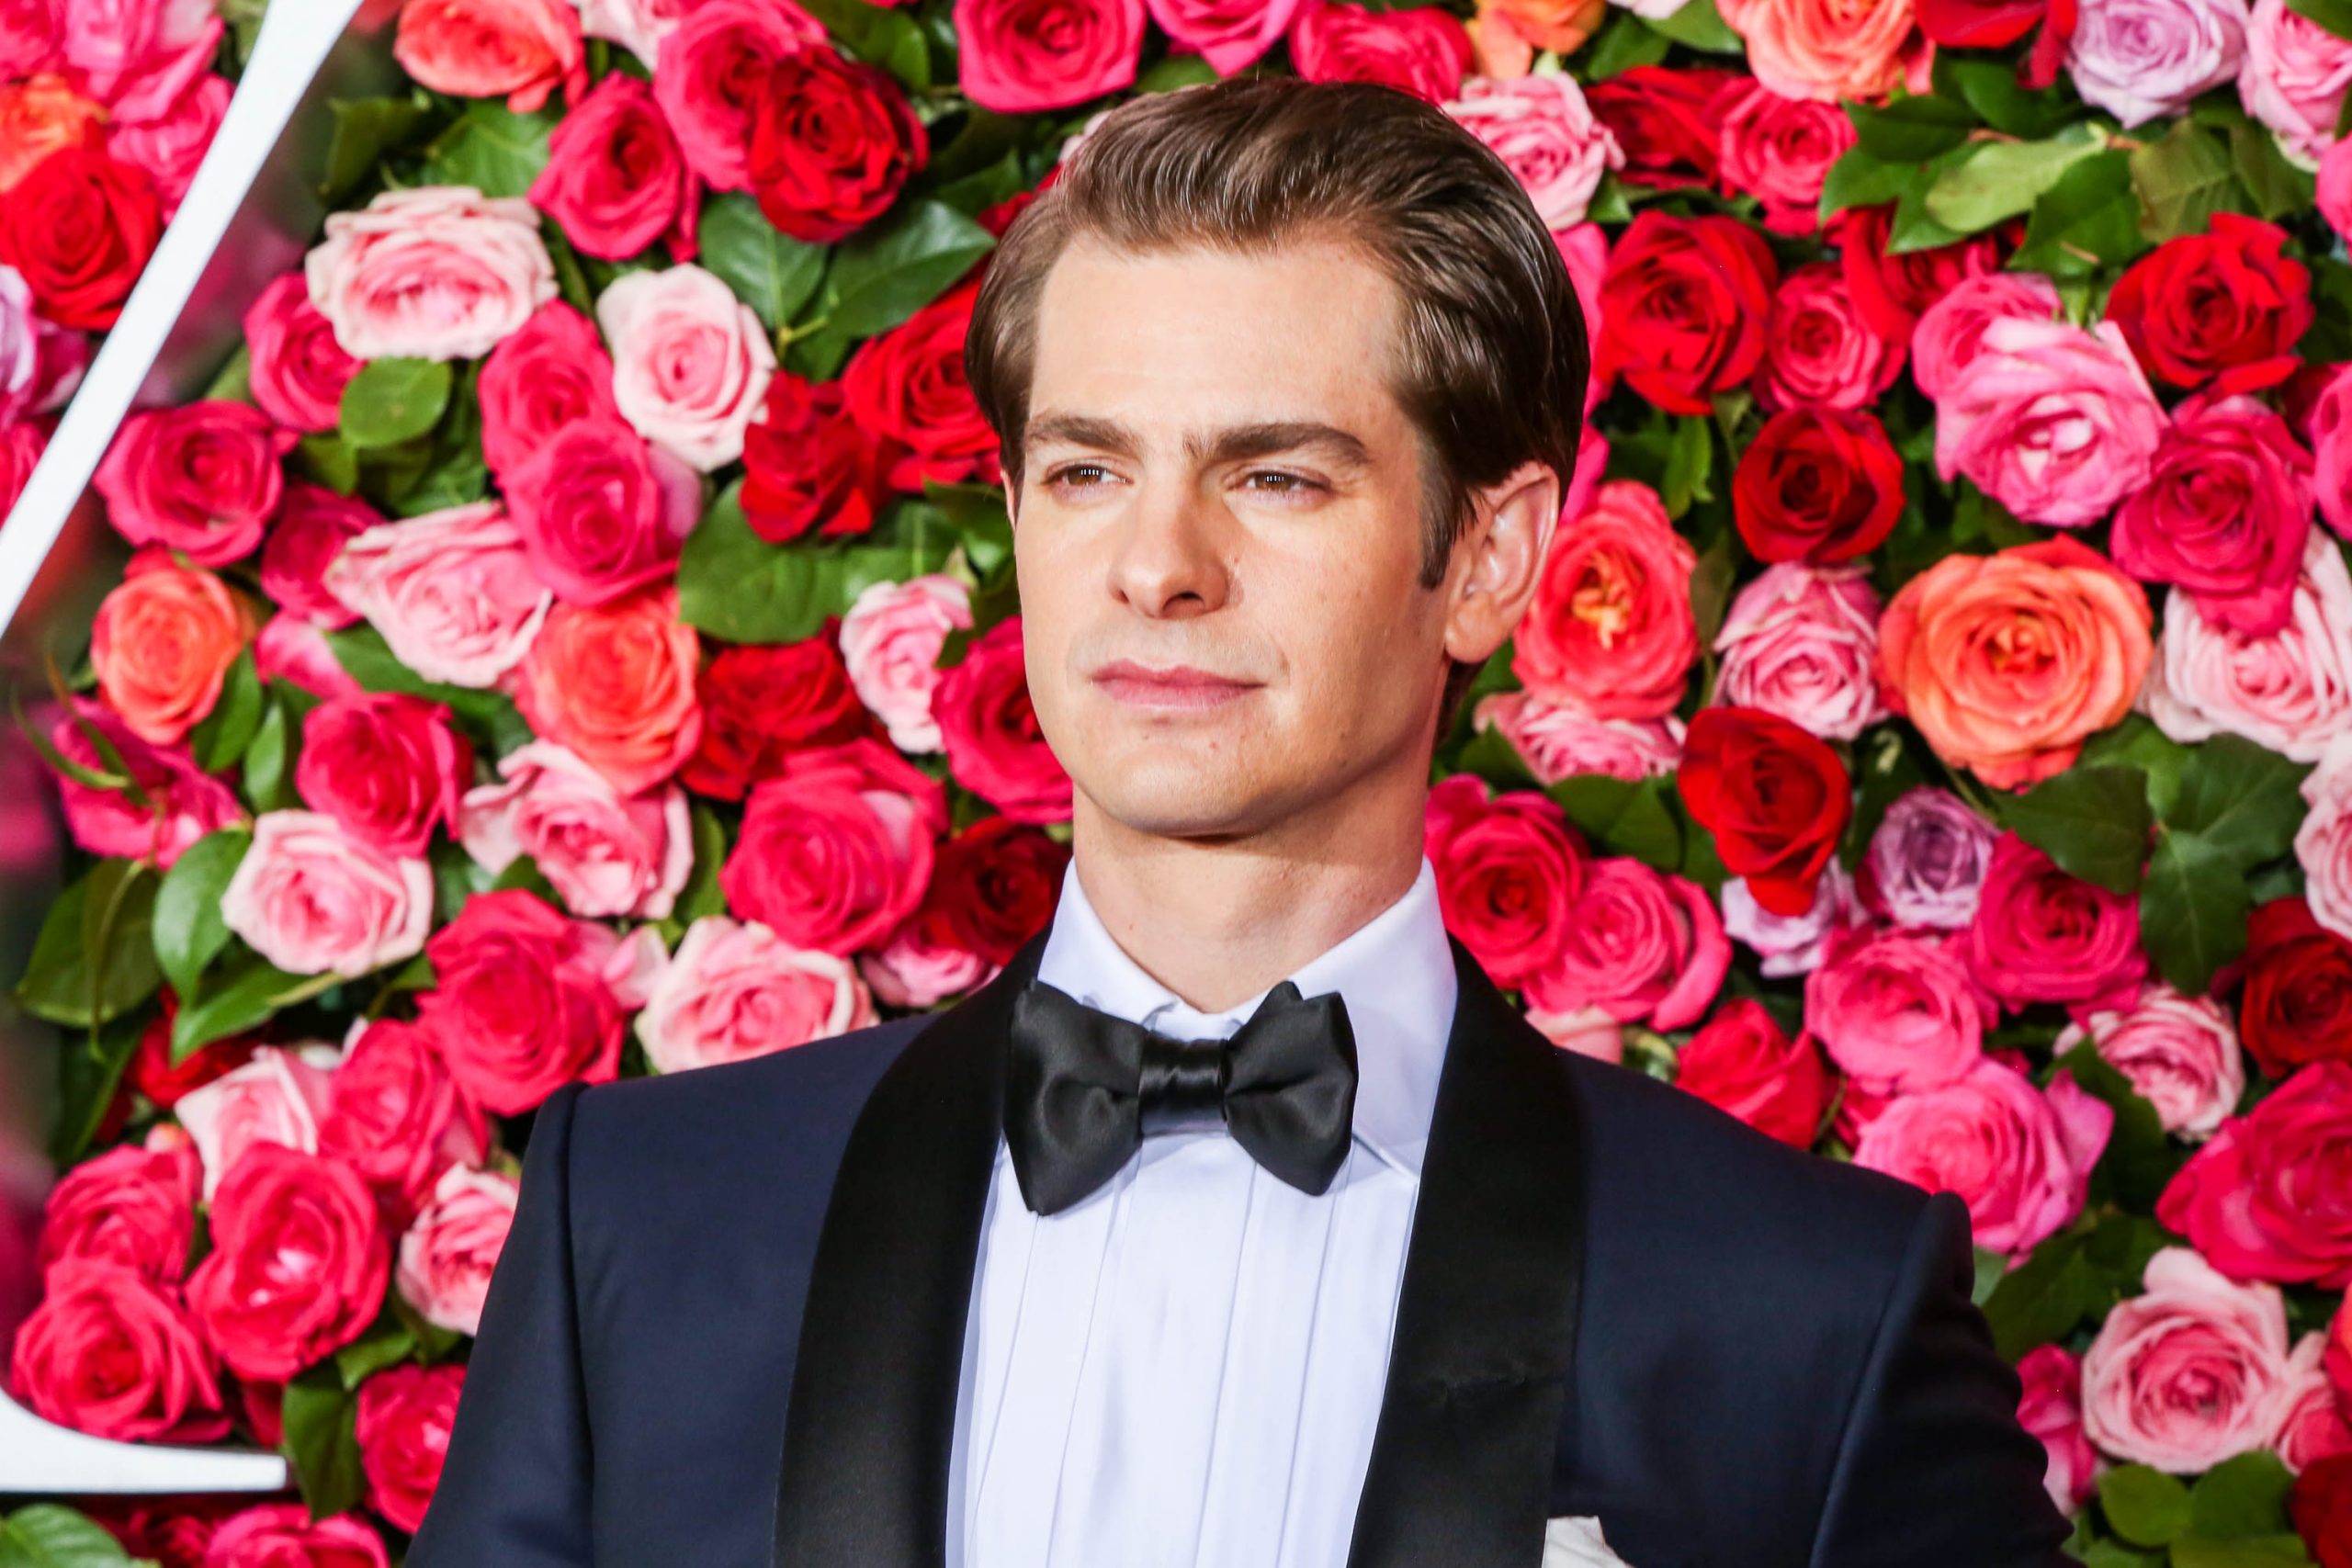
1194, 802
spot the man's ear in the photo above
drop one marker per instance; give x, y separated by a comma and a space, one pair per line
1497, 565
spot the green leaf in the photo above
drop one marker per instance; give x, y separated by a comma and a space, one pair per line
2278, 189
1711, 584
2088, 220
2002, 179
94, 960
1689, 462
2335, 16
2183, 178
392, 400
492, 148
2193, 909
1913, 227
228, 729
49, 1535
886, 272
1860, 180
2041, 1299
246, 999
89, 1070
266, 781
2330, 337
490, 717
1170, 71
2240, 1497
233, 382
326, 458
321, 1443
524, 872
772, 273
2243, 801
701, 897
1623, 818
365, 130
2138, 743
1911, 130
1621, 44
189, 932
387, 1343
878, 36
2144, 1506
2093, 822
1696, 23
1488, 754
2283, 1551
2138, 1161
1989, 86
736, 585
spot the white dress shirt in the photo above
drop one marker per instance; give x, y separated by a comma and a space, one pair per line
1185, 1369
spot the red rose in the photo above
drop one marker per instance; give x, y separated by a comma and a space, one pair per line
1821, 349
1742, 1061
543, 378
2226, 306
602, 510
994, 747
2224, 515
385, 764
1419, 49
1892, 290
2269, 1196
615, 181
299, 1262
203, 479
395, 1116
837, 848
2298, 1003
831, 144
1507, 872
806, 464
2321, 1506
80, 227
402, 1428
760, 705
1818, 485
1667, 120
130, 1206
153, 1073
109, 1353
520, 1006
1992, 24
993, 886
1684, 308
1774, 798
312, 526
907, 386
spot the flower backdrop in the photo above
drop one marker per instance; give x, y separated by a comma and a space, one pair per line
576, 637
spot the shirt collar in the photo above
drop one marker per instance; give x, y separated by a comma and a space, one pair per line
1395, 973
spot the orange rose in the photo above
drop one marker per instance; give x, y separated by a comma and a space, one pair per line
2006, 662
39, 116
163, 640
615, 684
1506, 33
1827, 50
518, 49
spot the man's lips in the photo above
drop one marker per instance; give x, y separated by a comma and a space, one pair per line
1175, 686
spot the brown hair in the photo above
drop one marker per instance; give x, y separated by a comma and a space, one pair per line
1493, 360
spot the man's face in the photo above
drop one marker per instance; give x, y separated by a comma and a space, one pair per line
1219, 537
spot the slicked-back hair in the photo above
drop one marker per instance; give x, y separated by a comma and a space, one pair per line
1492, 358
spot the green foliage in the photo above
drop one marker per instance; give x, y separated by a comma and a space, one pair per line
736, 585
50, 1535
94, 960
772, 273
2092, 821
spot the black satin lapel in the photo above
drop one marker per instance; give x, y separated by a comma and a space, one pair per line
869, 1428
1463, 1458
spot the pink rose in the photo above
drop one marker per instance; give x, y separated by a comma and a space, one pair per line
21, 445
1609, 631
2019, 1157
183, 802
615, 180
402, 1423
2266, 1197
313, 524
385, 764
297, 1264
995, 748
295, 651
130, 1206
1557, 740
28, 37
638, 26
837, 848
447, 1254
1544, 129
2040, 935
434, 273
606, 852
2054, 421
1820, 348
112, 1353
2290, 692
283, 1535
2140, 59
890, 641
1951, 332
1926, 861
203, 479
298, 370
41, 362
2180, 1053
1779, 150
2336, 187
551, 373
2293, 77
2191, 1372
1022, 56
1231, 35
2323, 842
1793, 944
138, 56
395, 1116
314, 900
1420, 50
712, 71
518, 49
2224, 515
1898, 1012
690, 362
734, 991
1639, 946
600, 511
172, 147
2050, 1407
452, 591
2311, 1420
1585, 248
910, 970
1801, 642
527, 1000
276, 1097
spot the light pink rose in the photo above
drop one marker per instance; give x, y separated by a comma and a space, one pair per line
1950, 331
2293, 77
278, 1096
1555, 739
183, 802
2323, 843
434, 273
2335, 193
41, 363
1897, 1011
690, 362
909, 971
1641, 946
638, 26
1229, 34
890, 641
1793, 944
733, 992
2020, 1157
2191, 1373
2311, 1420
314, 899
1541, 128
138, 56
1800, 642
2054, 421
2180, 1053
606, 852
2050, 1405
2290, 692
1928, 860
293, 649
448, 1255
711, 73
2142, 59
452, 591
171, 146
1820, 347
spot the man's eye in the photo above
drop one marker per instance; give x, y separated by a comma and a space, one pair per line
1275, 481
1079, 473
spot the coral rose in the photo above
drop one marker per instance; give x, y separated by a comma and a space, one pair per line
162, 642
1609, 631
614, 683
521, 49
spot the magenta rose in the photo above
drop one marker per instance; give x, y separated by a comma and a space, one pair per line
836, 847
2040, 935
606, 852
295, 651
2188, 1374
449, 1252
712, 71
132, 1206
1802, 642
1024, 56
438, 272
299, 371
1820, 349
28, 37
21, 446
2289, 691
2267, 1198
734, 991
182, 804
402, 1423
2311, 1421
1231, 35
2056, 421
2050, 1405
315, 899
1420, 50
1542, 127
2224, 513
171, 148
690, 362
1897, 1011
41, 362
283, 1535
2334, 194
2180, 1053
387, 765
890, 641
1951, 332
913, 969
452, 591
313, 524
600, 511
1509, 871
395, 1116
112, 1353
203, 479
615, 181
1557, 740
1779, 150
549, 374
277, 1096
1638, 946
2020, 1157
136, 59
524, 1001
297, 1267
994, 747
1926, 861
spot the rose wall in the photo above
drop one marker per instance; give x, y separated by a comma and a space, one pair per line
576, 637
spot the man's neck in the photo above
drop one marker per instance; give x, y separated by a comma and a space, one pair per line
1219, 921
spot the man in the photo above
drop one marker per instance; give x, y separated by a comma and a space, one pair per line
1287, 379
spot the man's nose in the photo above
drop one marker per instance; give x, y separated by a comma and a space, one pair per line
1173, 557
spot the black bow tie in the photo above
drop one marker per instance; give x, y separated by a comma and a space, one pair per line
1084, 1089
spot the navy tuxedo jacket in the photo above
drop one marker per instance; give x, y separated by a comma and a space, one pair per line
726, 1327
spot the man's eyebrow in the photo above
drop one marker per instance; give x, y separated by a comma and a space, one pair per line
1235, 443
